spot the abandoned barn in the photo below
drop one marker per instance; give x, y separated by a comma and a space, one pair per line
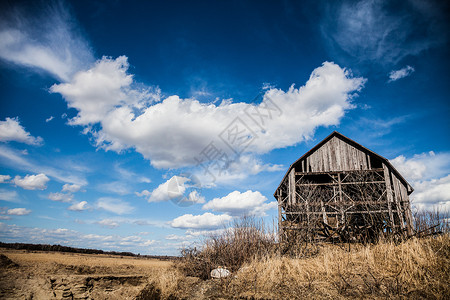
340, 190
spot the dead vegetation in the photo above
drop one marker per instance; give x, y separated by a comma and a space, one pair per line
414, 268
244, 240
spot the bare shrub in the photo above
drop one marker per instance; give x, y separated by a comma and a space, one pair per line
429, 222
246, 239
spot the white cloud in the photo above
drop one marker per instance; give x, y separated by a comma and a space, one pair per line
368, 31
144, 193
181, 190
205, 221
67, 237
62, 170
10, 196
192, 234
114, 205
428, 173
144, 179
130, 118
237, 170
195, 197
424, 166
11, 130
32, 182
433, 193
18, 211
172, 188
97, 91
237, 203
61, 197
79, 206
71, 188
45, 40
116, 187
108, 223
49, 119
399, 74
4, 178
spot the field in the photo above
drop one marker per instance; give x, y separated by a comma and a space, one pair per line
413, 269
52, 275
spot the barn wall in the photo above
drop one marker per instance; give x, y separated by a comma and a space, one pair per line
334, 155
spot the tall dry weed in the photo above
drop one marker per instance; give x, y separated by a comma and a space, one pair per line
417, 268
241, 242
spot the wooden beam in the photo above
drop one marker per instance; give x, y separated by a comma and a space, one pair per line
292, 192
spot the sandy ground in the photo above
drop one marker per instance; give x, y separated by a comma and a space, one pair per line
53, 275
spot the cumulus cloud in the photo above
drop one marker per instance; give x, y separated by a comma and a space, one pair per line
237, 203
370, 30
161, 193
178, 189
4, 178
205, 221
114, 205
428, 173
11, 130
18, 211
136, 118
79, 206
433, 193
424, 166
399, 74
46, 39
97, 91
195, 197
71, 188
237, 169
32, 182
61, 197
49, 119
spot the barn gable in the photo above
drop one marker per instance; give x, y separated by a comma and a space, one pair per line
339, 153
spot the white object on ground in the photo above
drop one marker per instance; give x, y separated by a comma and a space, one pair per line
220, 273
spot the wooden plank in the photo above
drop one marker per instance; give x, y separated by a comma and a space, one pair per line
292, 192
397, 199
389, 195
406, 209
280, 228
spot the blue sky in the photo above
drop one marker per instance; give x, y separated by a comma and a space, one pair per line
141, 127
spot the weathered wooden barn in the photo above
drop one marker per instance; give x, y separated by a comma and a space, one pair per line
340, 190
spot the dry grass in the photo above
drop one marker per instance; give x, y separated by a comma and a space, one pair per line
418, 268
24, 257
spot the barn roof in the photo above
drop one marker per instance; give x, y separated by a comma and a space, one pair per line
356, 145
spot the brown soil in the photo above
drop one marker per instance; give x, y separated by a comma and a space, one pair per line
50, 275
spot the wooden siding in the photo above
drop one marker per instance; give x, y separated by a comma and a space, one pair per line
334, 155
